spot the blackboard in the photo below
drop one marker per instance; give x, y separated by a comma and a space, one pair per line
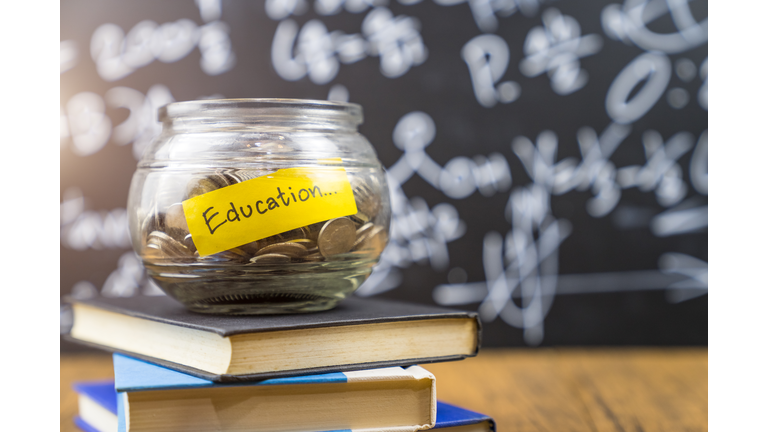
548, 159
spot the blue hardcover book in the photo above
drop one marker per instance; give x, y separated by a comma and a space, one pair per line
97, 406
158, 399
450, 418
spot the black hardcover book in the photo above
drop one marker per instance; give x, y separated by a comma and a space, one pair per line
360, 333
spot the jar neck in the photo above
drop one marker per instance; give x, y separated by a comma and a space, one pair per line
260, 114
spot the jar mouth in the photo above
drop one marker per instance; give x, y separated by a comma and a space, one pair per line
264, 110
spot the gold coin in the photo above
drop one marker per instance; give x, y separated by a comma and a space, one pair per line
363, 230
293, 250
307, 243
360, 219
249, 174
362, 235
201, 186
337, 236
298, 233
315, 257
223, 177
240, 252
253, 247
272, 258
167, 245
314, 230
375, 240
368, 202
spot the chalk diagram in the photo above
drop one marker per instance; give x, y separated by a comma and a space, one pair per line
521, 265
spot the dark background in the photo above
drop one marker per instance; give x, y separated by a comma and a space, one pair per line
639, 302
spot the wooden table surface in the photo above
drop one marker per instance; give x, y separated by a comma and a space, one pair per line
558, 389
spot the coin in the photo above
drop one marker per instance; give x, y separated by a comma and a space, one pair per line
239, 252
363, 230
253, 246
337, 236
249, 174
360, 218
271, 259
167, 245
375, 240
368, 202
307, 243
315, 257
298, 233
189, 243
174, 217
153, 222
293, 250
361, 235
176, 234
167, 235
201, 186
314, 230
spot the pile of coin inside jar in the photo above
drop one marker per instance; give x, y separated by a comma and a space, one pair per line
166, 236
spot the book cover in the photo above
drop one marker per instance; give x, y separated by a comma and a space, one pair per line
86, 427
97, 405
143, 326
317, 401
448, 416
451, 416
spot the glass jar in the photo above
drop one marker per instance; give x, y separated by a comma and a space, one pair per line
251, 206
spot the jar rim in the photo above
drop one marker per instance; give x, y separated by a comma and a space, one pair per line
264, 108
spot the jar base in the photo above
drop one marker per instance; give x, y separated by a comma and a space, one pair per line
250, 291
263, 304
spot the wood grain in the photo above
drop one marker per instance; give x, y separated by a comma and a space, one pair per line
563, 389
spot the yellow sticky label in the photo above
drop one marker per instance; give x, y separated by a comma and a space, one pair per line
254, 209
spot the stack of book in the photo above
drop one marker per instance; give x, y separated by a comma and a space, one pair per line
353, 368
